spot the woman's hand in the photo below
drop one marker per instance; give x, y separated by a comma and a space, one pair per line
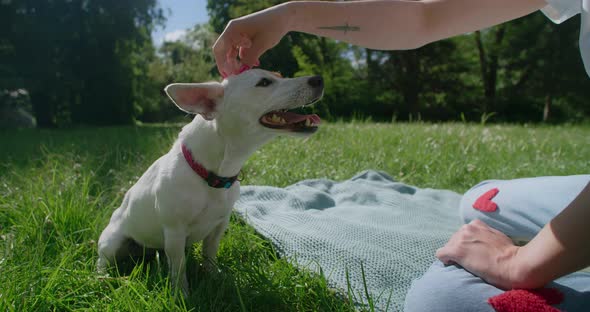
483, 251
249, 37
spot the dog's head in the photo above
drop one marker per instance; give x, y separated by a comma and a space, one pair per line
254, 101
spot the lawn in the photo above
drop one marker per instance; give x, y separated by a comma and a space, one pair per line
59, 187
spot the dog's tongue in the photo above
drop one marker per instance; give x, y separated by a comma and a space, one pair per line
295, 118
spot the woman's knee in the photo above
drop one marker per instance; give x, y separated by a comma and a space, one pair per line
520, 207
469, 202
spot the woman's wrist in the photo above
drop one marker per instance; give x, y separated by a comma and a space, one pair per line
524, 273
518, 270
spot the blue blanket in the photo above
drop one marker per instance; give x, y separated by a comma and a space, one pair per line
369, 223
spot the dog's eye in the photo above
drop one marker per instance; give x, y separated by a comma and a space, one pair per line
264, 82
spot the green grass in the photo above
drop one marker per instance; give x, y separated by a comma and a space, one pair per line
58, 189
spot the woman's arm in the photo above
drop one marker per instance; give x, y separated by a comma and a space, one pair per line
377, 24
402, 24
560, 248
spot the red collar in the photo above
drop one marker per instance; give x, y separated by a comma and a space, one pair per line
212, 179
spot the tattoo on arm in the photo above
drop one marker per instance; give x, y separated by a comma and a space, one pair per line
345, 28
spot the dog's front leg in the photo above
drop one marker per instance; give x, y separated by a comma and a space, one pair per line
211, 245
174, 244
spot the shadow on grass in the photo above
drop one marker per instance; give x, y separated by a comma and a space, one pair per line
26, 147
107, 155
250, 276
209, 291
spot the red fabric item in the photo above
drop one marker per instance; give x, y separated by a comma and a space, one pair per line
484, 202
244, 68
522, 300
241, 70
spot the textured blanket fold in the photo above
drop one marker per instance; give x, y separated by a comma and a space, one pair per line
392, 229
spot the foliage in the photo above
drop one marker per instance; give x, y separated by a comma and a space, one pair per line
93, 62
81, 61
59, 188
544, 78
186, 60
427, 83
525, 70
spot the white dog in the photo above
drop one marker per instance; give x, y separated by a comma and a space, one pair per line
187, 195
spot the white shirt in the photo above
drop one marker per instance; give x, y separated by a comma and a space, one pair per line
561, 10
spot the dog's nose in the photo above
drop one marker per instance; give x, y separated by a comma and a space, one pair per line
316, 81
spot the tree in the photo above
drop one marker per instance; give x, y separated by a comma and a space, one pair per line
186, 60
532, 70
82, 61
544, 79
426, 83
488, 62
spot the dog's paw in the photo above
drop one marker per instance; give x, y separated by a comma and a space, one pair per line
101, 267
184, 289
181, 286
210, 267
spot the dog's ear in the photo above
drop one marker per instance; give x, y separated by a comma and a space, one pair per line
196, 98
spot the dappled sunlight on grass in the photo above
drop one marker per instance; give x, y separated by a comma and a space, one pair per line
451, 156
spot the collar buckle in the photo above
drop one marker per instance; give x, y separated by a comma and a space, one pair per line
211, 178
216, 181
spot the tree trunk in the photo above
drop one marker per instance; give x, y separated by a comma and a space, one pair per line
370, 65
547, 109
488, 61
411, 90
43, 109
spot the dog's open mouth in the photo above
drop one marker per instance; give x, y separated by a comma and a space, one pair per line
290, 121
